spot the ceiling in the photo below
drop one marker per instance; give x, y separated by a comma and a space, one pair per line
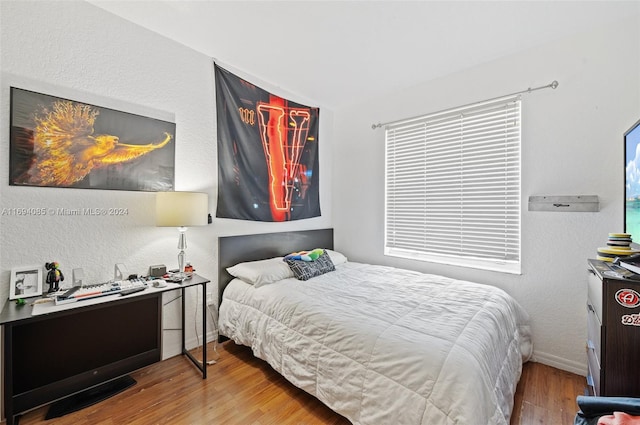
336, 53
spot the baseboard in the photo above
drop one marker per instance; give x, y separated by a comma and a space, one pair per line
560, 363
194, 342
174, 348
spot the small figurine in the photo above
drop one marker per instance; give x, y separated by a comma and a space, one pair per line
54, 276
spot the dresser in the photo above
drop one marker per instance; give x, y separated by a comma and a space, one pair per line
613, 333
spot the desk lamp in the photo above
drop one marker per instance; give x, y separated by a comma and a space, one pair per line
181, 210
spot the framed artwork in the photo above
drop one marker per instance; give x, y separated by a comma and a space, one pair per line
57, 142
25, 282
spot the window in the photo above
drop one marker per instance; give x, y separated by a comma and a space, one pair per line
453, 186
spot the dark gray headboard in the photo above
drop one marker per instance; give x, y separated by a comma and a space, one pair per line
236, 249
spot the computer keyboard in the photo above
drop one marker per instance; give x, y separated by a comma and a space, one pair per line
128, 286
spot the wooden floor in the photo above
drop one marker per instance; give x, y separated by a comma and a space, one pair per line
242, 389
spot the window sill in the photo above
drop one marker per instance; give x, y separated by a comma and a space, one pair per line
474, 263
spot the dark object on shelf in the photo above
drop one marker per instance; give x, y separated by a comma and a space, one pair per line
69, 293
89, 397
631, 263
157, 270
54, 276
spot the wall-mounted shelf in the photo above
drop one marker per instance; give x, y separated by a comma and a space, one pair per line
575, 203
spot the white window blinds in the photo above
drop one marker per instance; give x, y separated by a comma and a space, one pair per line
453, 184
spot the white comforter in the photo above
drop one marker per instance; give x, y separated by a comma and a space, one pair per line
381, 345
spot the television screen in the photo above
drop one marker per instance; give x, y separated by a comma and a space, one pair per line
632, 182
53, 357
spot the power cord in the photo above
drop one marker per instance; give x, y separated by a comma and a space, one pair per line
204, 336
195, 322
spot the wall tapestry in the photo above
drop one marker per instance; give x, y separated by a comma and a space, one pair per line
267, 153
57, 142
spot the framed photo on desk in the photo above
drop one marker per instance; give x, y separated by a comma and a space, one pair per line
25, 282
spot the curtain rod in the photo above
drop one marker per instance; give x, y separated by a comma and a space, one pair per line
553, 85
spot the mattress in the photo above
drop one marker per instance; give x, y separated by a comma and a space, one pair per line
381, 345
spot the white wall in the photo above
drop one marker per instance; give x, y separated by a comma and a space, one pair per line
571, 145
78, 51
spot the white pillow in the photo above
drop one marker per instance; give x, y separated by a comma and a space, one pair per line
261, 272
336, 257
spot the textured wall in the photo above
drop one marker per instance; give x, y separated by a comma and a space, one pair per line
75, 50
571, 145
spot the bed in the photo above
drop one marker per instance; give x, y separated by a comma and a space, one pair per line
378, 345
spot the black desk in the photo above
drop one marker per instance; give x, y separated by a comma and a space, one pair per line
194, 281
13, 317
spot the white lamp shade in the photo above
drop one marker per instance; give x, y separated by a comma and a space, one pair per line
181, 209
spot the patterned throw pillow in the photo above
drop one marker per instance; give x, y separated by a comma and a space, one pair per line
305, 270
